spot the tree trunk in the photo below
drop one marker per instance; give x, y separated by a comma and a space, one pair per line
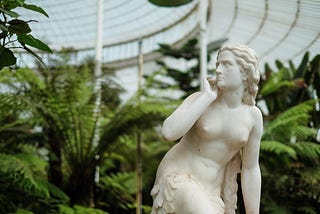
81, 186
55, 172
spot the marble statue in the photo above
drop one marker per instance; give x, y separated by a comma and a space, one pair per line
219, 130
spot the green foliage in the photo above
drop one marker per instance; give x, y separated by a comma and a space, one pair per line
130, 117
185, 78
291, 86
14, 30
278, 148
76, 209
20, 185
290, 153
61, 102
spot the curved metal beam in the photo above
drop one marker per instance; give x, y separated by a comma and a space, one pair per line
263, 21
294, 23
234, 18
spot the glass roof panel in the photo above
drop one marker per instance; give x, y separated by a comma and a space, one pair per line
276, 29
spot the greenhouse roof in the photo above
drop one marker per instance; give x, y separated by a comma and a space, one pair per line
276, 29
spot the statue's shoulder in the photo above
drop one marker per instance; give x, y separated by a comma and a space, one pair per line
255, 111
256, 116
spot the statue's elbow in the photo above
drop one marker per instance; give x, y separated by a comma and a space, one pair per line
168, 134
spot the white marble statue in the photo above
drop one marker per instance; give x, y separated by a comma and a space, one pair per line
220, 130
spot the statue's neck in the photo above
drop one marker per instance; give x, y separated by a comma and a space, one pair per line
232, 98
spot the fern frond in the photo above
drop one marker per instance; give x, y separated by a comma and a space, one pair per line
290, 121
76, 209
311, 175
55, 193
278, 148
36, 164
128, 119
17, 174
308, 150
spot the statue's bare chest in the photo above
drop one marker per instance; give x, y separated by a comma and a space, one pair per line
231, 126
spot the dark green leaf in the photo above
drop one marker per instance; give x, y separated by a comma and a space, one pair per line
10, 13
9, 5
303, 66
35, 8
28, 39
7, 57
169, 3
34, 54
3, 34
279, 64
18, 26
3, 28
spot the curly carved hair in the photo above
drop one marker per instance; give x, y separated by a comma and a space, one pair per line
248, 62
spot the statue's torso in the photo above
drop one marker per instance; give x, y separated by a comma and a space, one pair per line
209, 145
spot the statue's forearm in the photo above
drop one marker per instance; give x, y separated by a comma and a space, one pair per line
251, 189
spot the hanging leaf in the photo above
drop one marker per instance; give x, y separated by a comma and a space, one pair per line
18, 26
28, 39
35, 8
169, 3
7, 57
3, 27
34, 54
10, 13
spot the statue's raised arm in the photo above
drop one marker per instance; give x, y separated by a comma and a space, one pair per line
219, 130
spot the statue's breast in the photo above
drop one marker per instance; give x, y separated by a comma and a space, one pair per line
224, 125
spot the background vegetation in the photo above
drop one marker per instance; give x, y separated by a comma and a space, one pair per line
49, 162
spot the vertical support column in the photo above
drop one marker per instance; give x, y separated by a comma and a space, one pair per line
98, 78
203, 9
139, 137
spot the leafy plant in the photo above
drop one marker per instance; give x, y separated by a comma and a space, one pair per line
61, 101
17, 31
21, 186
290, 153
185, 78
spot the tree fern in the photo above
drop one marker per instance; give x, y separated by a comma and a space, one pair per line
128, 118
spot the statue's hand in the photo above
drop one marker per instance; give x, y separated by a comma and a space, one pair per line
210, 87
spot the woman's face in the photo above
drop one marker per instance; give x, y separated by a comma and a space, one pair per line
229, 76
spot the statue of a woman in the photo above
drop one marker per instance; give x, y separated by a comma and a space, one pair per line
220, 130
